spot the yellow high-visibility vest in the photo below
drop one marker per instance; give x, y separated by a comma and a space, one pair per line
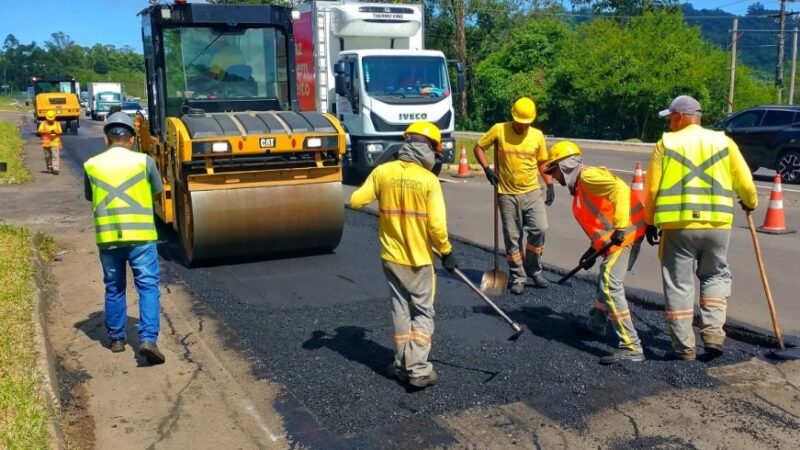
696, 183
122, 199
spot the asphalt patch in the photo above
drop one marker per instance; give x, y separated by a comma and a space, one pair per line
321, 327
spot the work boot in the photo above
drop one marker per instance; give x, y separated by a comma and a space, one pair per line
517, 288
714, 349
423, 382
55, 172
118, 345
540, 281
151, 353
681, 356
594, 330
396, 373
622, 354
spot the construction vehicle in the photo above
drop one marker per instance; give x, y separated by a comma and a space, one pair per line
244, 172
366, 63
102, 97
59, 93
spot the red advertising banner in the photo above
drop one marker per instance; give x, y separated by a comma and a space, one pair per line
304, 57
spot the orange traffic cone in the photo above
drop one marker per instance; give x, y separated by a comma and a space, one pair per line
463, 164
637, 187
774, 222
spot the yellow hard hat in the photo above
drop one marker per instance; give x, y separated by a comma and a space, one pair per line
524, 110
50, 115
561, 150
224, 59
426, 129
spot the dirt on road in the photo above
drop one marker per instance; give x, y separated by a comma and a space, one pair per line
219, 390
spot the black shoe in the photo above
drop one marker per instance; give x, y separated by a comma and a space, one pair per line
683, 356
118, 345
55, 172
585, 327
151, 353
396, 373
714, 349
540, 281
423, 382
622, 354
517, 288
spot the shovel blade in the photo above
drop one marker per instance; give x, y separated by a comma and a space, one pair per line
494, 282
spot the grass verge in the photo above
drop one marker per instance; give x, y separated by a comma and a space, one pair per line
469, 144
11, 104
23, 413
11, 144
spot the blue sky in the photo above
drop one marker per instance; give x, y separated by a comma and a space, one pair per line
115, 21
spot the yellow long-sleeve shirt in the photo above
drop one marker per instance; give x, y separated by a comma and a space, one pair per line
600, 182
741, 178
412, 212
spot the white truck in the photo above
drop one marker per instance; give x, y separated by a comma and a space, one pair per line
101, 97
366, 63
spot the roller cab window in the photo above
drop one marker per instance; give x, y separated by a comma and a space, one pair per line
53, 87
406, 79
225, 69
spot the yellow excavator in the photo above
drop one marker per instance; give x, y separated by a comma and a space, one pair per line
245, 173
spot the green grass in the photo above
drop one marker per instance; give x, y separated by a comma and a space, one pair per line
23, 414
7, 104
469, 144
11, 153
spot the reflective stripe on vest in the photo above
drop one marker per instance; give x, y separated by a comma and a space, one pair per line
696, 181
595, 215
123, 211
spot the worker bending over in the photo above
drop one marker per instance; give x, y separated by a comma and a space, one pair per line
412, 221
603, 207
521, 154
690, 184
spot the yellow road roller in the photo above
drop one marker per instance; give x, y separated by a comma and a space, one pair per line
60, 94
245, 173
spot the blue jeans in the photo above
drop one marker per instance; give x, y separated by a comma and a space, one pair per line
143, 259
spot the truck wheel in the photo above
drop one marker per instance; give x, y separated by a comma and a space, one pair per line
789, 166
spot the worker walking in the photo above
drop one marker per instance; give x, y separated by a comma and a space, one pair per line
521, 154
603, 206
121, 184
50, 133
690, 183
412, 221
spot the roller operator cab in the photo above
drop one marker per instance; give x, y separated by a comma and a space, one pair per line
245, 173
60, 94
366, 63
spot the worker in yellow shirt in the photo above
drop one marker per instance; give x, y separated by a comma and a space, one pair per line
520, 156
412, 222
603, 206
50, 133
690, 186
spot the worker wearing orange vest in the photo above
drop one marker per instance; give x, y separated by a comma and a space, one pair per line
521, 153
614, 221
50, 132
412, 222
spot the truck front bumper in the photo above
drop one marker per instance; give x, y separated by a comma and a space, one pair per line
368, 153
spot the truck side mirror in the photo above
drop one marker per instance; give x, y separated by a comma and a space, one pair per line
340, 82
460, 80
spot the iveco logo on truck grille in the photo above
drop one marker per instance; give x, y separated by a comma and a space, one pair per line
266, 142
413, 116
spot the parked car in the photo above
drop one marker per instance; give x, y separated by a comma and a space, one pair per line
131, 108
769, 137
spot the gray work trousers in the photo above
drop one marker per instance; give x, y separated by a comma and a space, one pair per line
611, 303
412, 290
680, 251
523, 213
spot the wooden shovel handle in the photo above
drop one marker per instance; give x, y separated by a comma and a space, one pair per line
770, 302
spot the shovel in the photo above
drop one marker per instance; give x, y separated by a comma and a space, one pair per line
494, 282
784, 353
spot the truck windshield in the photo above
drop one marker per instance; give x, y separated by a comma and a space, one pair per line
108, 97
213, 64
50, 87
406, 76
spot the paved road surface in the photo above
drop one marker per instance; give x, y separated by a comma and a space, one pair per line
319, 325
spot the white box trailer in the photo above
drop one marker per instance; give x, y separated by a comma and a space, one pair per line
101, 97
386, 79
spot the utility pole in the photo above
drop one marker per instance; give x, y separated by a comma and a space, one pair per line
734, 38
794, 67
779, 63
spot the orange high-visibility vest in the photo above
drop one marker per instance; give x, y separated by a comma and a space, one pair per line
595, 215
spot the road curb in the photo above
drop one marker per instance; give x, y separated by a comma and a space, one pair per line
633, 145
735, 329
45, 360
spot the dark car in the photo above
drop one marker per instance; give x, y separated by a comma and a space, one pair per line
769, 137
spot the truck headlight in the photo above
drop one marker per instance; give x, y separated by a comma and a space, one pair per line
374, 148
447, 145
